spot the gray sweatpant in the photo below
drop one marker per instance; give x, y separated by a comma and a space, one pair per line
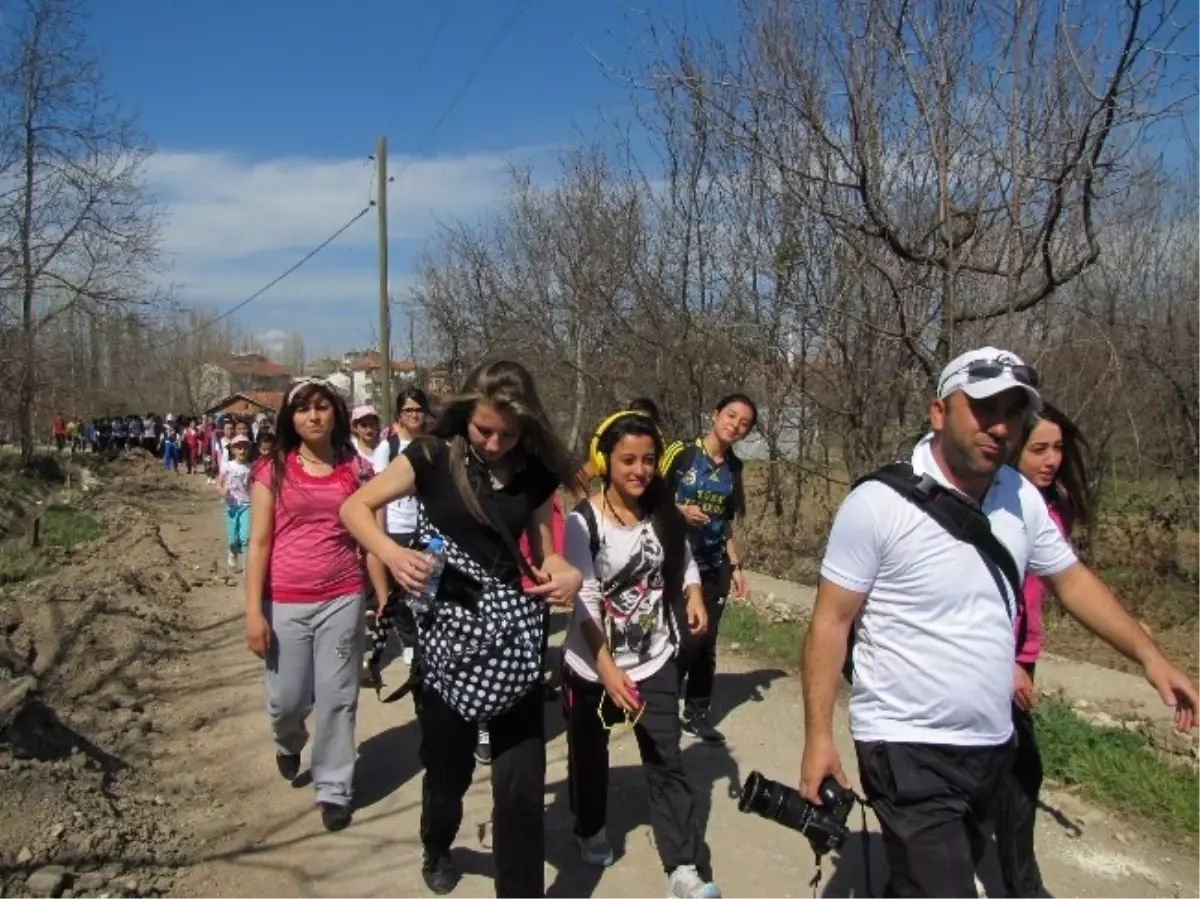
315, 663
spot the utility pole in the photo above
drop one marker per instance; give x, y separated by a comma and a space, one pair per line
386, 413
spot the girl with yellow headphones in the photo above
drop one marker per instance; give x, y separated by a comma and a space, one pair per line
640, 590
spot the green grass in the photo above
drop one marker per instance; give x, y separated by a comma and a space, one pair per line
19, 564
62, 527
67, 527
778, 643
1116, 768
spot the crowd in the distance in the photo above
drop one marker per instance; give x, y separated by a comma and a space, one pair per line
184, 443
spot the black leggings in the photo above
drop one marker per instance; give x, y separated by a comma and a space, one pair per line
697, 661
518, 786
1016, 810
672, 810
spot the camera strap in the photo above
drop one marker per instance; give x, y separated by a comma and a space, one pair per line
864, 836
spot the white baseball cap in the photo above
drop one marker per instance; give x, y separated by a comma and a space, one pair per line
986, 372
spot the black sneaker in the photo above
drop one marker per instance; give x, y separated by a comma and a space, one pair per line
696, 725
483, 748
335, 817
437, 868
288, 765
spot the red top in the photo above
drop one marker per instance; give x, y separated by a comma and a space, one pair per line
557, 527
313, 557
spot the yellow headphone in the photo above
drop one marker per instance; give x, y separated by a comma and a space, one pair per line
598, 459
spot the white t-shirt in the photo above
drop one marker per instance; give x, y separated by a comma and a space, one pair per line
401, 514
623, 593
221, 452
364, 452
935, 650
237, 482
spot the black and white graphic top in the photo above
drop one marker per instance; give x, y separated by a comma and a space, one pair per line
623, 593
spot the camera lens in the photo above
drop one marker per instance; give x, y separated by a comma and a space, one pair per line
752, 799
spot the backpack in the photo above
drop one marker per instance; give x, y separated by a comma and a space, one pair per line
964, 520
674, 605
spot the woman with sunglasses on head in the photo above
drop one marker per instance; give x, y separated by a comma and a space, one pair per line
640, 590
1052, 457
487, 475
706, 479
304, 590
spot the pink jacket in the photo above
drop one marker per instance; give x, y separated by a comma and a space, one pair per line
558, 526
1034, 590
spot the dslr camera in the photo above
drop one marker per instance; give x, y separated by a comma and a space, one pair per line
824, 825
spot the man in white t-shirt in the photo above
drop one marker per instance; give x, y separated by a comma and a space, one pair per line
930, 708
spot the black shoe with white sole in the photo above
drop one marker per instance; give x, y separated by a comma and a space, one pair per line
696, 725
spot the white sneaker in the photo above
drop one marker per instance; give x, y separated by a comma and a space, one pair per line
596, 850
232, 560
685, 882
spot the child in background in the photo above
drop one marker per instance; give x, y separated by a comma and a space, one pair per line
170, 445
266, 443
220, 448
234, 484
191, 446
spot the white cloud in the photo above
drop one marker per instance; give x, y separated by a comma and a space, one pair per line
272, 342
221, 207
233, 224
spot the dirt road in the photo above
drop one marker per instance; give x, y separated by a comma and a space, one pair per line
249, 833
270, 840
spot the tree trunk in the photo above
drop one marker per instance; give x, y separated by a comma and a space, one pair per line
28, 386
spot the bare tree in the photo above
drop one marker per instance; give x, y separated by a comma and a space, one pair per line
964, 151
80, 229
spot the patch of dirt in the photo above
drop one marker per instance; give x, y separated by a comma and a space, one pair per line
1067, 637
83, 811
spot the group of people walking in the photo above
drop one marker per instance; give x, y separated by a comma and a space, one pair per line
446, 526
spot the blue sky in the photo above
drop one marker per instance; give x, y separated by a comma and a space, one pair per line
263, 115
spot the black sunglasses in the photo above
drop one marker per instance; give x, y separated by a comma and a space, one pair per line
986, 370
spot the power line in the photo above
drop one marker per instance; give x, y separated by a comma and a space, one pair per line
285, 273
423, 61
514, 14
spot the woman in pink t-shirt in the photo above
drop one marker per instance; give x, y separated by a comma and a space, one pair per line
305, 591
1052, 457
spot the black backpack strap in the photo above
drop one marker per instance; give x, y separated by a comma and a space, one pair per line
964, 520
587, 512
961, 517
393, 445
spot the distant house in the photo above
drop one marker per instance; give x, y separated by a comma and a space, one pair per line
248, 402
365, 369
439, 381
242, 373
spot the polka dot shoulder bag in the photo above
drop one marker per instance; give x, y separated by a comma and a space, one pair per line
481, 661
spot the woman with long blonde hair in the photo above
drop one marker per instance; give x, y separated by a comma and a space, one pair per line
487, 474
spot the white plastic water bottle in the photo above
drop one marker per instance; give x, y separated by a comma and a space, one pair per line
435, 552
